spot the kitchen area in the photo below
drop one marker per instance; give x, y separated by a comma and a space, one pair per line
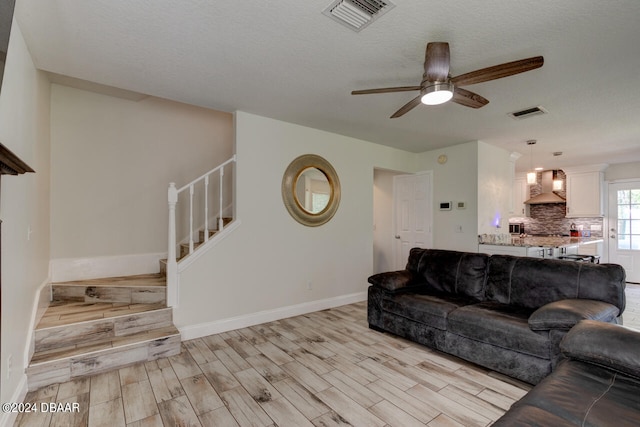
558, 216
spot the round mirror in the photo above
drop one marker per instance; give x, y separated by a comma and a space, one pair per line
311, 190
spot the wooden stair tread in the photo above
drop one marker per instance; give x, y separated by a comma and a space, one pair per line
139, 289
142, 280
95, 347
98, 325
186, 245
61, 313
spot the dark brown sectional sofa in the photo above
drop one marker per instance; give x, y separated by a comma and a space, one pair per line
596, 384
502, 312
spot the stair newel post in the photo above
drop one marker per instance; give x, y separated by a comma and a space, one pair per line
206, 208
220, 221
172, 265
190, 219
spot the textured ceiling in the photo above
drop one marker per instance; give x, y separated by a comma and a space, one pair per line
285, 60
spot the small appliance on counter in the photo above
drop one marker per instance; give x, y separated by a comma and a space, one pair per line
574, 232
516, 228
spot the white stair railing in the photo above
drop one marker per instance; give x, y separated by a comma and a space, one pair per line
172, 196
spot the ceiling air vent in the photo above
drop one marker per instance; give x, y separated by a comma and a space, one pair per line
357, 14
528, 112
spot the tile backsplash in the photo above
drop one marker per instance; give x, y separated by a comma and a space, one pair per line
550, 218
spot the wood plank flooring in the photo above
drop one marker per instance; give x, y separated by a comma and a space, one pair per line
321, 369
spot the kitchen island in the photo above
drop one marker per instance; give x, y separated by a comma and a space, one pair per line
544, 246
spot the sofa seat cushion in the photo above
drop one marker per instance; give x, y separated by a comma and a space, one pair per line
578, 394
500, 325
430, 309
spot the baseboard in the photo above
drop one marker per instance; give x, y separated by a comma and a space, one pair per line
69, 269
41, 303
229, 324
9, 418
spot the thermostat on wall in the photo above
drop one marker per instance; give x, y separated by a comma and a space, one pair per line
445, 206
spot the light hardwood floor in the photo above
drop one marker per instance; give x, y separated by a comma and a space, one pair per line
321, 369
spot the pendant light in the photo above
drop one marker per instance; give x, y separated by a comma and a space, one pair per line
532, 175
557, 182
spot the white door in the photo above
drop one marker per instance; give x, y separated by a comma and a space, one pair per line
412, 213
624, 227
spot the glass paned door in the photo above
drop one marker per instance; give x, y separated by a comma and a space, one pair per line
629, 219
624, 227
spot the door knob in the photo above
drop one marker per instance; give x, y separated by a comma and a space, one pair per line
612, 236
397, 236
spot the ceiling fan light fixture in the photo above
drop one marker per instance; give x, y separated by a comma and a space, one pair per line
437, 93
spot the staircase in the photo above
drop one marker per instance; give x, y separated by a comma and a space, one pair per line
97, 325
184, 247
93, 326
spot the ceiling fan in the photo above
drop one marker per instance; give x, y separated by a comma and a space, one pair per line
438, 86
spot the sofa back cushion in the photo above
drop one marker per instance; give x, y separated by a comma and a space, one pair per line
458, 273
534, 282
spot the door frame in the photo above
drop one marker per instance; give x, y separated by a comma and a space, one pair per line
394, 213
607, 219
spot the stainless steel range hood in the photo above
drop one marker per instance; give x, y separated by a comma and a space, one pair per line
547, 195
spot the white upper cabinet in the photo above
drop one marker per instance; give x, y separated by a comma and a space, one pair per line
585, 191
520, 191
520, 195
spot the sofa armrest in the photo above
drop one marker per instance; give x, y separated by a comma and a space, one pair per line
564, 314
611, 346
395, 281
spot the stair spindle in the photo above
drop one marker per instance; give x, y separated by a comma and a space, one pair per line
172, 265
190, 219
206, 208
220, 221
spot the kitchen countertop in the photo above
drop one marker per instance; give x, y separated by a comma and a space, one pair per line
548, 242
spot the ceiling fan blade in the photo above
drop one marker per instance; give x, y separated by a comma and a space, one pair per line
407, 107
468, 98
498, 71
385, 90
436, 62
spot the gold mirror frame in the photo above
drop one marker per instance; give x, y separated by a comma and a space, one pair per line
291, 202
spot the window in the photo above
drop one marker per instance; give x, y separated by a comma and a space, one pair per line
629, 219
319, 201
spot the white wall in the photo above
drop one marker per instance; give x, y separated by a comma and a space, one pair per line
495, 188
622, 171
454, 181
24, 204
112, 160
267, 263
